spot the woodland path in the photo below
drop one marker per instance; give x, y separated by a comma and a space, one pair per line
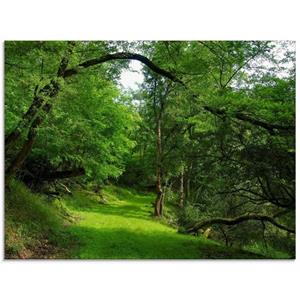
123, 228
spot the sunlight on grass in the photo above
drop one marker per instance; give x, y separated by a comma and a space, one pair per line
124, 228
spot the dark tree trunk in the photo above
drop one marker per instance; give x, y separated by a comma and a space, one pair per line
226, 240
188, 181
158, 206
181, 197
264, 236
20, 158
27, 145
49, 90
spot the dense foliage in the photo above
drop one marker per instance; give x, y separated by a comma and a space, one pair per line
211, 129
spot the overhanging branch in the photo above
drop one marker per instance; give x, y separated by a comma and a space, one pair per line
237, 220
122, 56
271, 128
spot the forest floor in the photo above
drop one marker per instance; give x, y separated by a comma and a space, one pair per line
121, 227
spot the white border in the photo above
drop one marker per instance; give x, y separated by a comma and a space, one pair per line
129, 20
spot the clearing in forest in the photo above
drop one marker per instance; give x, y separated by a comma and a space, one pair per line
123, 228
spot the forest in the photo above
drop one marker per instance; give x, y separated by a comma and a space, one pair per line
197, 161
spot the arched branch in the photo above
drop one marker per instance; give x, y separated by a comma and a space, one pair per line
122, 56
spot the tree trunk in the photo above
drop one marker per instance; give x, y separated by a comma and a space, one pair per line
27, 145
226, 240
188, 181
181, 198
158, 206
49, 90
19, 159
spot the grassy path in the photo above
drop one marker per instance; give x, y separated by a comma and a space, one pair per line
123, 228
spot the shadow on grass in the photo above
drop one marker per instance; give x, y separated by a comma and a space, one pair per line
125, 244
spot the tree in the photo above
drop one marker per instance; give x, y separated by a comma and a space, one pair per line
44, 98
211, 129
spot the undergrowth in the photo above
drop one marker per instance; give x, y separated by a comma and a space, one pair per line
34, 224
267, 251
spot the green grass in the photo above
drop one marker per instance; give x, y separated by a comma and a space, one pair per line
117, 226
123, 228
34, 225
